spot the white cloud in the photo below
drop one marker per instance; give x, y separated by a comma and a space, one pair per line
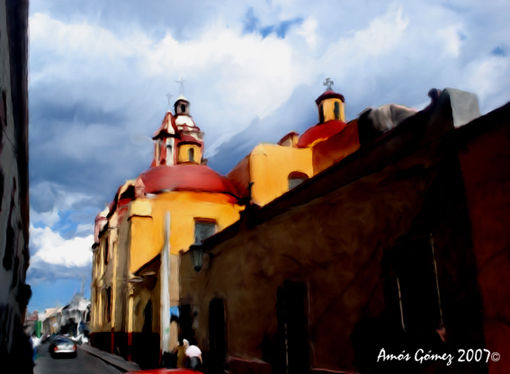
452, 39
308, 31
488, 77
233, 77
50, 247
118, 76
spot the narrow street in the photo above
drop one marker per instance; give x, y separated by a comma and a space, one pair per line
84, 363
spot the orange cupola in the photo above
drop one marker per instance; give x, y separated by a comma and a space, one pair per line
330, 105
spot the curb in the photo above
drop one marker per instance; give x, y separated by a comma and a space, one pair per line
111, 359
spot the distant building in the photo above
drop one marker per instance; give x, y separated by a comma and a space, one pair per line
75, 315
32, 325
15, 348
51, 320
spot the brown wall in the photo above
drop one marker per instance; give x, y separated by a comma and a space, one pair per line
335, 245
352, 236
485, 161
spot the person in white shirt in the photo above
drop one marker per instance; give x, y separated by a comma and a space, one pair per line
194, 355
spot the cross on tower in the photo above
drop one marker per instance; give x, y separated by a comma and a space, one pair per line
328, 83
181, 85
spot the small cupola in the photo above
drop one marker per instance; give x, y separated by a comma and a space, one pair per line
330, 104
181, 106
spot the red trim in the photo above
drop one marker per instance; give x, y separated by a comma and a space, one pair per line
112, 341
130, 346
162, 131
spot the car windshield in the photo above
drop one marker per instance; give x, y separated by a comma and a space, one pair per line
63, 340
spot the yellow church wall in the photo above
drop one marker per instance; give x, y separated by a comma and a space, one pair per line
328, 107
270, 166
147, 232
119, 306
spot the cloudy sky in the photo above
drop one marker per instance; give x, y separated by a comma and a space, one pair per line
100, 72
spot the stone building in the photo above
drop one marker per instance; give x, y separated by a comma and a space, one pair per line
14, 205
399, 243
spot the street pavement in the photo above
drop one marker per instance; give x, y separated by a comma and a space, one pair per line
84, 363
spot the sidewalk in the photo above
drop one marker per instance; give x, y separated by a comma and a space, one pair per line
111, 359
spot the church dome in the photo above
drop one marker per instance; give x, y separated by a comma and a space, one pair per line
186, 177
320, 132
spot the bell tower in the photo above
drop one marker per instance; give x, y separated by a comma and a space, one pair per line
330, 104
178, 140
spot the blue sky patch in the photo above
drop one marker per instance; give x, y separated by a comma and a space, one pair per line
499, 51
250, 21
251, 24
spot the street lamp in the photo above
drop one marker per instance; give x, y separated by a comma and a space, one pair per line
197, 254
135, 279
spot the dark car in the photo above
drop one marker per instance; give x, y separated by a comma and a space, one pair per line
62, 346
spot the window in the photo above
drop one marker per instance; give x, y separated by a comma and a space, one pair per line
191, 154
296, 178
321, 113
147, 318
183, 108
217, 335
293, 350
109, 304
416, 284
203, 230
106, 250
337, 110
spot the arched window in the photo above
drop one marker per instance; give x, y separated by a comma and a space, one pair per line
337, 110
191, 155
296, 178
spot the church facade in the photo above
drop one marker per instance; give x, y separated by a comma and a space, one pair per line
314, 253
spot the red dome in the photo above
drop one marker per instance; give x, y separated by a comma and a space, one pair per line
185, 177
321, 131
328, 95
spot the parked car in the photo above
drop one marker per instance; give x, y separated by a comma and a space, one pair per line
62, 346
